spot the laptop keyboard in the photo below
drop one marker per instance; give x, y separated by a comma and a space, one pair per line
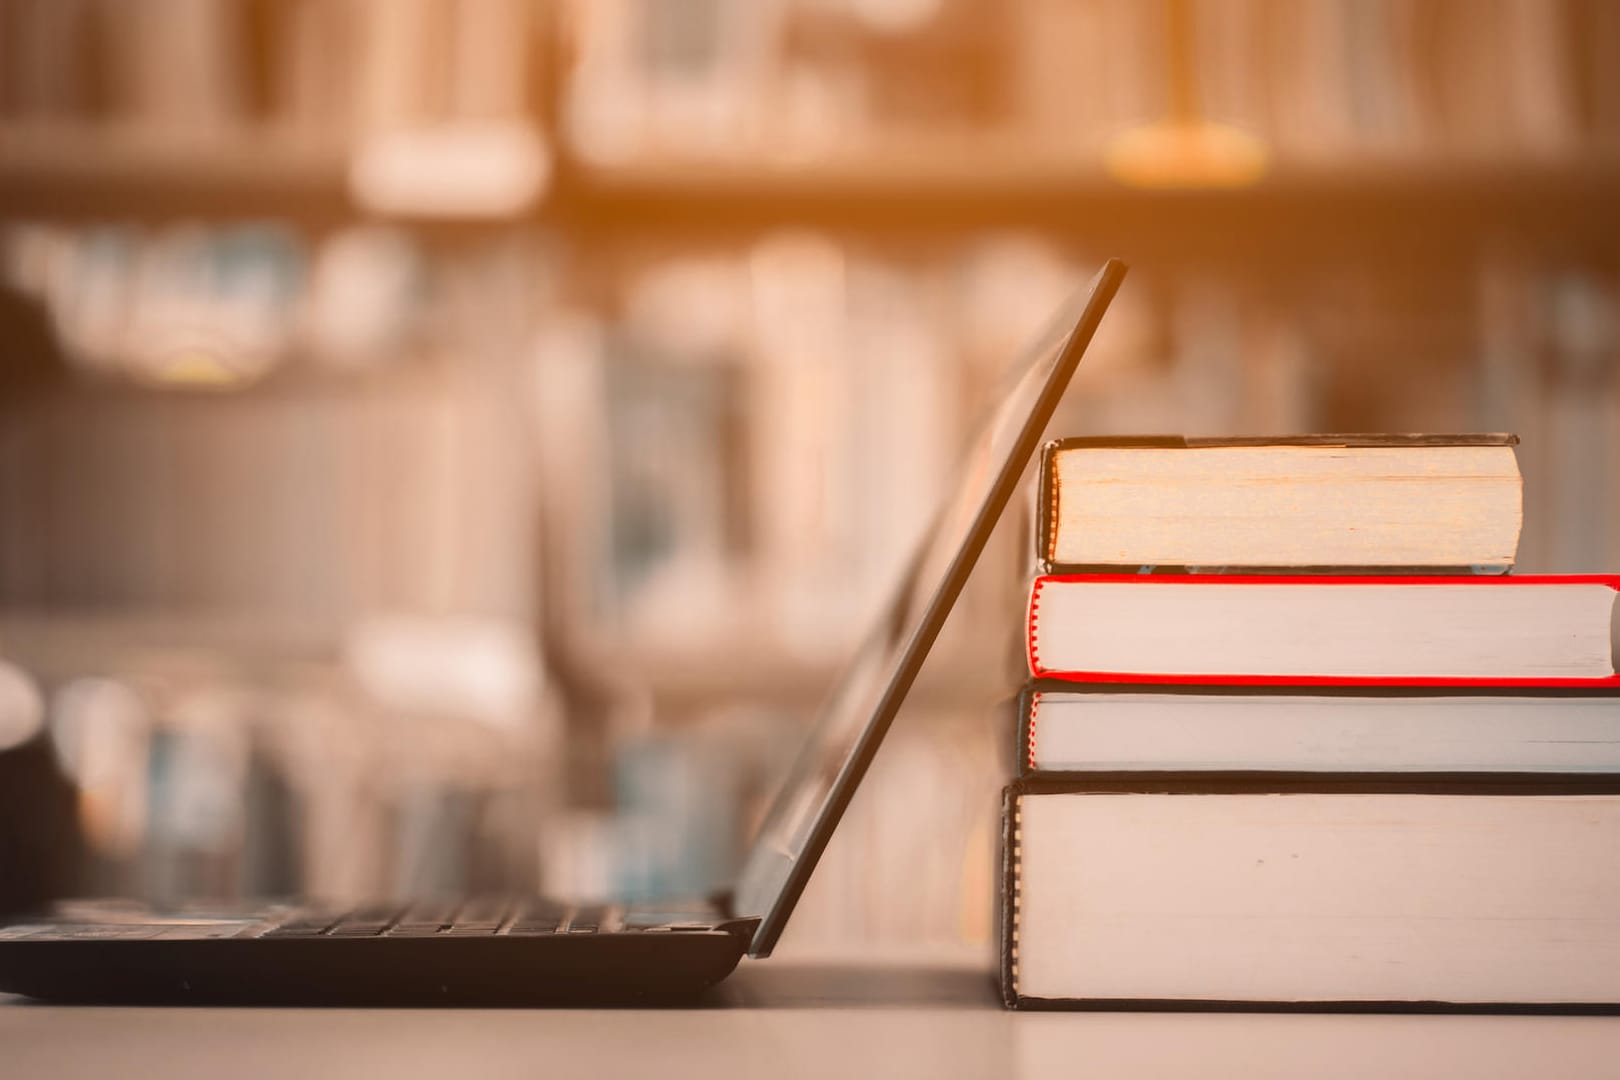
477, 917
483, 916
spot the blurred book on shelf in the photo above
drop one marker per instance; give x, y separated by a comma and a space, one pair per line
326, 69
457, 107
1309, 83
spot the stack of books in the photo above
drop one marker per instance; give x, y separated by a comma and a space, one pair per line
1296, 738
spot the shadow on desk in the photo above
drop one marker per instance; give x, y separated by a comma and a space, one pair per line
794, 985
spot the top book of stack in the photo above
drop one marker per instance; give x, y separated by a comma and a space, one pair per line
1291, 504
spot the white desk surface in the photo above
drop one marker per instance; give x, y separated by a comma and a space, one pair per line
785, 1018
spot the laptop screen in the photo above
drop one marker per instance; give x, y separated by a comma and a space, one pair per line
856, 716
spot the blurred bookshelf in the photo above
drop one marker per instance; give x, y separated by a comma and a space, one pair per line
638, 135
80, 172
953, 187
638, 332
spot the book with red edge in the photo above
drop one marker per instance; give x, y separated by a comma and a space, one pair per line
1355, 630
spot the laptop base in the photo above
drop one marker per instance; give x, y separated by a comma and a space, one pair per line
131, 962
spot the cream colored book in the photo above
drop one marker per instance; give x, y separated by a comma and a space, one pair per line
1422, 502
1369, 898
1076, 730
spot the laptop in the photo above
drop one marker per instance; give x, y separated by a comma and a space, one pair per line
511, 950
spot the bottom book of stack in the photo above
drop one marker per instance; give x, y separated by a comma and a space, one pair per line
1312, 893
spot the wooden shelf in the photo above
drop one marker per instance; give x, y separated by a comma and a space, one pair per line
58, 644
1296, 211
91, 173
296, 378
907, 191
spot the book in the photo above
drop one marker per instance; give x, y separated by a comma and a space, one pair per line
1354, 630
1295, 502
1290, 898
1071, 729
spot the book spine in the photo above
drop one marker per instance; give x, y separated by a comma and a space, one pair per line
1032, 627
1029, 705
1046, 509
1011, 854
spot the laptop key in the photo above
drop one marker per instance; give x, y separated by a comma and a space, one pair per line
368, 921
304, 924
199, 933
425, 919
533, 927
585, 919
538, 915
482, 909
113, 932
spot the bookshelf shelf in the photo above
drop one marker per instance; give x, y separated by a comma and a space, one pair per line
297, 380
92, 172
1458, 202
938, 187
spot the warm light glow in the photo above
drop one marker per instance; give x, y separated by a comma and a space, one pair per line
463, 171
22, 710
365, 280
1186, 155
197, 370
99, 729
482, 668
896, 16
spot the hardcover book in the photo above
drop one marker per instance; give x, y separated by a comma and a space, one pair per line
1081, 731
1428, 503
1312, 895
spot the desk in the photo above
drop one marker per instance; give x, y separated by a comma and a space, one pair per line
793, 1018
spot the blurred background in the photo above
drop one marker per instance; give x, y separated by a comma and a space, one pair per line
449, 444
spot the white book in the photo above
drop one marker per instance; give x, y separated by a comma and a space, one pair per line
1480, 899
1229, 730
